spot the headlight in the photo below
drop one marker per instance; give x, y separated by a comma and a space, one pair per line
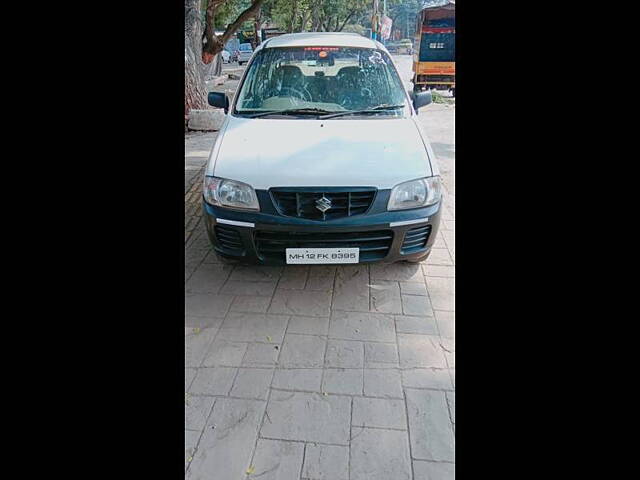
415, 194
229, 193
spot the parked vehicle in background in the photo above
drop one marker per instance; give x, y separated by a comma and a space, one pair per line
225, 56
342, 171
405, 46
244, 53
434, 59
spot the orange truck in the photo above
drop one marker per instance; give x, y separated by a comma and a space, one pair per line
434, 64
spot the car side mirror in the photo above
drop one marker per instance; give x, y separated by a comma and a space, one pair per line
420, 99
219, 100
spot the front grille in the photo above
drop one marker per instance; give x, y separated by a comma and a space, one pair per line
415, 239
301, 203
373, 245
229, 239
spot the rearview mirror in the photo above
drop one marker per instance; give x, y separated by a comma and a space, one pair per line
219, 100
420, 99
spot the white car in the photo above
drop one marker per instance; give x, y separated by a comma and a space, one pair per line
245, 51
321, 159
225, 56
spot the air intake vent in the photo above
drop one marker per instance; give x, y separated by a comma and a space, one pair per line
416, 239
229, 239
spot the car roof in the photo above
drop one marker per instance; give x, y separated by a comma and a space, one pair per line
321, 39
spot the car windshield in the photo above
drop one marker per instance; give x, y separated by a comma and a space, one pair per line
326, 79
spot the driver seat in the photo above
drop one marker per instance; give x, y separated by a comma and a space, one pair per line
349, 83
290, 77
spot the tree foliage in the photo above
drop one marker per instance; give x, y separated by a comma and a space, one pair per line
316, 15
225, 9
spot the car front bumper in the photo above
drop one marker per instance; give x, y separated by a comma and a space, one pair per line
257, 237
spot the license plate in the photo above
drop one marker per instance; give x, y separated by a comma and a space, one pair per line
323, 255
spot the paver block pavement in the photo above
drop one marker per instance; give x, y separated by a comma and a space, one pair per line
196, 412
380, 355
308, 379
196, 346
224, 452
277, 460
385, 297
416, 305
308, 417
451, 400
362, 326
302, 351
213, 381
446, 324
301, 302
378, 412
351, 291
223, 353
430, 425
416, 324
442, 293
308, 325
344, 354
399, 272
208, 278
413, 288
326, 462
431, 378
190, 441
347, 381
252, 383
189, 374
206, 304
263, 289
420, 351
253, 327
255, 273
261, 355
433, 470
379, 455
382, 383
250, 304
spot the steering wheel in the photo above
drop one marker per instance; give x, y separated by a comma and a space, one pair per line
302, 95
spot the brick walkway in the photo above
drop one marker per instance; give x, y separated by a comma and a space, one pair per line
319, 372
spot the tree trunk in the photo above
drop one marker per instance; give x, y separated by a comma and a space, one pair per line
315, 18
305, 20
195, 91
294, 14
257, 25
346, 20
214, 43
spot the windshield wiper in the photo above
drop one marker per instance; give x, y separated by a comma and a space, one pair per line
291, 111
376, 109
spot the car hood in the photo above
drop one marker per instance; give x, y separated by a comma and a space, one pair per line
267, 152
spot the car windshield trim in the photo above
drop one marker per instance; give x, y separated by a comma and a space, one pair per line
337, 81
288, 111
373, 110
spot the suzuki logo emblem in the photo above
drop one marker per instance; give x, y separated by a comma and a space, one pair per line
323, 204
